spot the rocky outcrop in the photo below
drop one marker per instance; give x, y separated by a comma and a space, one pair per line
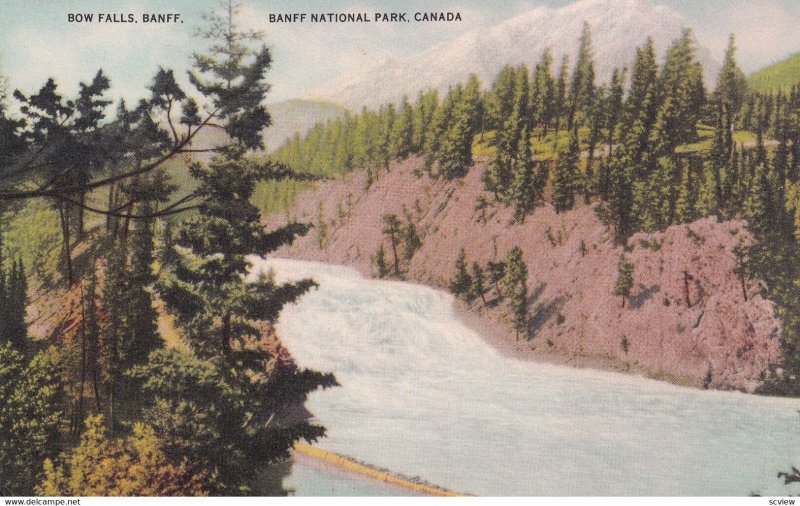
690, 318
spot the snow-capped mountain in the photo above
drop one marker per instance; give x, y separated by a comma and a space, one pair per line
617, 26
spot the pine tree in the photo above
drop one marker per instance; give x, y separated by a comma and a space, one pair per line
685, 205
560, 100
411, 239
461, 282
524, 190
424, 110
115, 331
613, 116
501, 98
380, 262
624, 283
566, 181
143, 334
478, 287
760, 207
515, 279
496, 271
392, 228
455, 148
581, 90
730, 93
30, 417
402, 134
542, 93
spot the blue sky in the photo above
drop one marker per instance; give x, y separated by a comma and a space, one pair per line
36, 41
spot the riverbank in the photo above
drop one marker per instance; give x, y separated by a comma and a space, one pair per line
424, 395
689, 318
319, 456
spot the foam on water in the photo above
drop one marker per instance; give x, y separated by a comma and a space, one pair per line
424, 395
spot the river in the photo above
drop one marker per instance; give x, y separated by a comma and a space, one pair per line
425, 396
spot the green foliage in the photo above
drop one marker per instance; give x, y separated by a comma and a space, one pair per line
222, 419
380, 262
622, 288
32, 233
515, 279
411, 239
13, 301
477, 289
30, 417
777, 77
567, 178
461, 282
136, 466
393, 228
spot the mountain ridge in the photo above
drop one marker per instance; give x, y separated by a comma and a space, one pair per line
618, 28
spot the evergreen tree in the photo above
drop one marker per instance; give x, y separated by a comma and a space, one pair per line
560, 100
478, 286
624, 283
566, 181
501, 98
613, 116
496, 272
222, 419
402, 134
116, 327
455, 149
392, 228
30, 417
101, 466
411, 239
582, 90
424, 111
685, 205
760, 207
543, 93
461, 282
525, 187
730, 94
515, 279
380, 262
142, 317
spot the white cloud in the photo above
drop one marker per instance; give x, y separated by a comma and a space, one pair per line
766, 31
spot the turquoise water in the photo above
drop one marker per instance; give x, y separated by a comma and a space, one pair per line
423, 395
313, 480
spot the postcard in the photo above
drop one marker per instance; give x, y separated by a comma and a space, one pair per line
540, 248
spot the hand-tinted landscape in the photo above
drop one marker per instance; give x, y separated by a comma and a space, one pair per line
556, 255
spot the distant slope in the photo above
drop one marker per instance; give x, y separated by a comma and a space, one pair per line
297, 116
779, 76
618, 27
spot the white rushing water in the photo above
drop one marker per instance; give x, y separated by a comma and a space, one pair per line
423, 395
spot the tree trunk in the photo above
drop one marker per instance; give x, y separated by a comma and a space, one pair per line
394, 251
63, 214
81, 230
110, 220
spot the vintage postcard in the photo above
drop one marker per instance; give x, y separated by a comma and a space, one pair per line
390, 248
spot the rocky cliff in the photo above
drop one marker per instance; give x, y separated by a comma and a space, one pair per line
690, 318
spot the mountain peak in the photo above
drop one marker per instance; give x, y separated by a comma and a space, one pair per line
618, 28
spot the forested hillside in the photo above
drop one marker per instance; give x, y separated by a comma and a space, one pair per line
654, 147
134, 358
781, 76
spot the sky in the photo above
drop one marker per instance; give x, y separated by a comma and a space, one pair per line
37, 41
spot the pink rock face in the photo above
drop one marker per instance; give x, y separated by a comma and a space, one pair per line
686, 320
